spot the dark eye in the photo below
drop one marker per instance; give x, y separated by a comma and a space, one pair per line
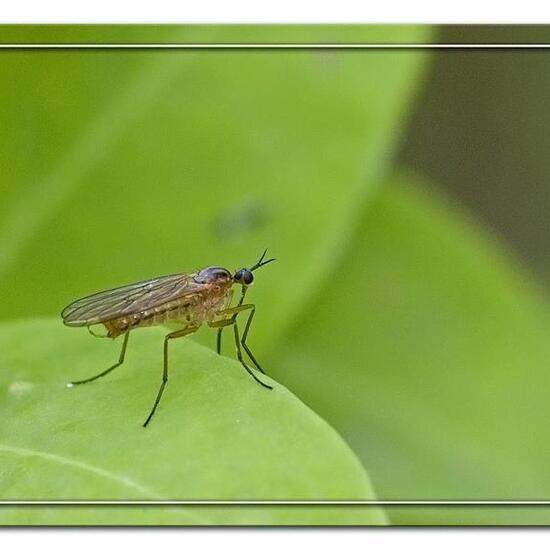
244, 276
248, 277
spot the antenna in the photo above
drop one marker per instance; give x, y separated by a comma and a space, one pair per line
261, 262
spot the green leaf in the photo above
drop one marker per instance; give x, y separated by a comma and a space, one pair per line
216, 435
128, 165
429, 352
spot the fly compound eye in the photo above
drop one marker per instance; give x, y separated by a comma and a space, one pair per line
248, 277
244, 276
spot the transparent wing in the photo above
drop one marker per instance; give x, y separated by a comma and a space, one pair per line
128, 299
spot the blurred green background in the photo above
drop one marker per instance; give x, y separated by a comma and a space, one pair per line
404, 193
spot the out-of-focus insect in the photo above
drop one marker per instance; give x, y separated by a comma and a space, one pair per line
188, 298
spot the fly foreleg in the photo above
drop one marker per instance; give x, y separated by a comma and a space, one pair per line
220, 324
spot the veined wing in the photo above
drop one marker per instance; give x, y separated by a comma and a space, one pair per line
125, 300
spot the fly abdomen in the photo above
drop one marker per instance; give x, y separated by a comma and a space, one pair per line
165, 313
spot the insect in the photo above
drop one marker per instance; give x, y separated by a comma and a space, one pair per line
191, 299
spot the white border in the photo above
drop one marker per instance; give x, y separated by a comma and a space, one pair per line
280, 11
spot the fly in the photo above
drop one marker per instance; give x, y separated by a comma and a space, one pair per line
191, 299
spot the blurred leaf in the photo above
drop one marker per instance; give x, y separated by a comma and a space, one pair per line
200, 34
429, 352
127, 165
122, 165
216, 435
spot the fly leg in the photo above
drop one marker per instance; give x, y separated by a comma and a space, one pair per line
219, 340
220, 326
97, 335
243, 340
234, 311
106, 371
241, 360
167, 338
223, 323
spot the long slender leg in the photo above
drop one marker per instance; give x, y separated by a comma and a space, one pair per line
241, 360
243, 340
234, 311
219, 341
167, 338
220, 325
106, 371
232, 321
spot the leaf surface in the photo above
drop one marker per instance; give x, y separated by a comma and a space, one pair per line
429, 352
216, 435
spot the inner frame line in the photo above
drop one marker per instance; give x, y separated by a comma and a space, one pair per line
278, 502
272, 46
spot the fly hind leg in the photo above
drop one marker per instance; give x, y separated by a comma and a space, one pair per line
167, 338
106, 371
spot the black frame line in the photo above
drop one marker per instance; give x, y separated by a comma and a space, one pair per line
271, 46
